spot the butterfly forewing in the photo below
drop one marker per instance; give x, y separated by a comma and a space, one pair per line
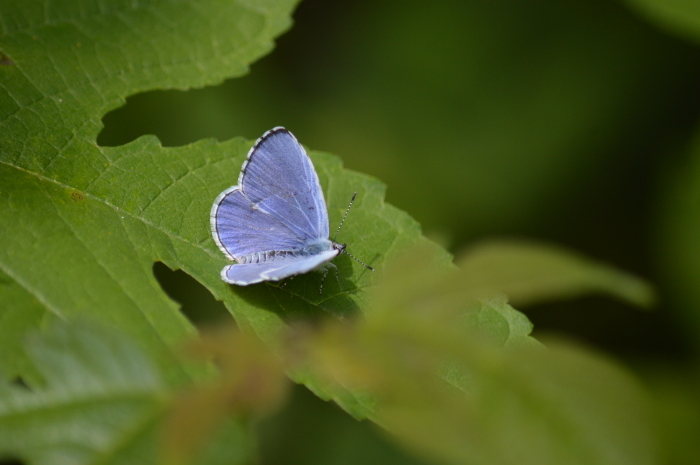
279, 179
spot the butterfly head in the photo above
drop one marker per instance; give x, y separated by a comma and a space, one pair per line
339, 247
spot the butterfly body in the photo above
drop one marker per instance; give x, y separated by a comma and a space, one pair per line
274, 223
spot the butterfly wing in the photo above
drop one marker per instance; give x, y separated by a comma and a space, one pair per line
279, 179
240, 229
251, 273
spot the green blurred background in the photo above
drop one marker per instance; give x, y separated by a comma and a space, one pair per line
563, 121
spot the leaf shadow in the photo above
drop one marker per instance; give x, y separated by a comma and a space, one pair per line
299, 298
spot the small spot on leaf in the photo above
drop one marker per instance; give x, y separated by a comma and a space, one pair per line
76, 196
20, 383
5, 60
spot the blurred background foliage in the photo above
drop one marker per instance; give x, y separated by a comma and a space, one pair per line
569, 122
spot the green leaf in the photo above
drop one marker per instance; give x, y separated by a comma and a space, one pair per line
560, 405
678, 245
91, 221
102, 401
82, 225
20, 312
676, 394
530, 272
417, 285
507, 400
420, 295
679, 16
252, 383
554, 406
500, 322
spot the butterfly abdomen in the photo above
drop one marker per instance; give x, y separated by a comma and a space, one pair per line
267, 256
313, 248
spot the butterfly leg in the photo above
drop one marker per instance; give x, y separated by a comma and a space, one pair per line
286, 281
323, 279
326, 268
337, 276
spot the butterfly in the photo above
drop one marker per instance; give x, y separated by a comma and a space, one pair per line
274, 223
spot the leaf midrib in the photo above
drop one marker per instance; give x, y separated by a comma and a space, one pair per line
169, 233
112, 206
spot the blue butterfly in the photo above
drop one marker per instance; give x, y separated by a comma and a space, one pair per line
274, 223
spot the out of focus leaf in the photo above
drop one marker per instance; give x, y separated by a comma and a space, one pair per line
466, 384
676, 394
101, 401
679, 16
252, 383
416, 286
531, 272
678, 245
563, 405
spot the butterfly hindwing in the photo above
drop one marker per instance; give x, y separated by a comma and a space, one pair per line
251, 273
240, 229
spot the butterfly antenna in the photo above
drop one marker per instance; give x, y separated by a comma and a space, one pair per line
345, 216
358, 260
344, 250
